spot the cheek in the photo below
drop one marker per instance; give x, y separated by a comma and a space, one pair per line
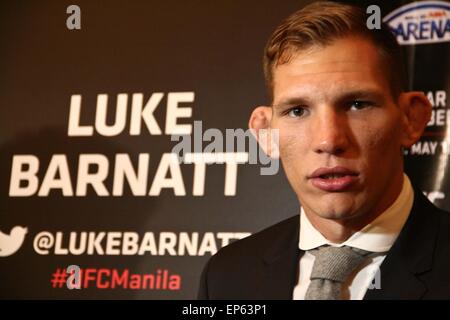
292, 153
293, 138
292, 144
288, 146
382, 141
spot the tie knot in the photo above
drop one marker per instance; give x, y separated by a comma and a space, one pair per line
336, 263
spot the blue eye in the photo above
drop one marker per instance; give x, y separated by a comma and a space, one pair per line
296, 112
358, 104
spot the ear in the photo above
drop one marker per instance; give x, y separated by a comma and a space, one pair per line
416, 114
259, 124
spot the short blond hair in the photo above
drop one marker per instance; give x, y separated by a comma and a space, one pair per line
322, 22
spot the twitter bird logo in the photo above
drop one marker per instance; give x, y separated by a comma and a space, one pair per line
9, 244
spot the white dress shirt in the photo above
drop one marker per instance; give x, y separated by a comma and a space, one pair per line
378, 237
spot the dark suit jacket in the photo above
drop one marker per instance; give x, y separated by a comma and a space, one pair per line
265, 265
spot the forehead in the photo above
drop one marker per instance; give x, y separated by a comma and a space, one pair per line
351, 63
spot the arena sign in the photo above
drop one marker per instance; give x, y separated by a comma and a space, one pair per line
421, 22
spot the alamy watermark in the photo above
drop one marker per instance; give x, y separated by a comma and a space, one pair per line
261, 146
374, 20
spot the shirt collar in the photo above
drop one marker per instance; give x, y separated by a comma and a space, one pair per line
377, 236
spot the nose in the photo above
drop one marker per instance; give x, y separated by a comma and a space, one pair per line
331, 132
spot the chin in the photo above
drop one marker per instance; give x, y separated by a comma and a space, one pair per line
336, 215
337, 208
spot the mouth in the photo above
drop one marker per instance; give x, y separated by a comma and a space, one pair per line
334, 179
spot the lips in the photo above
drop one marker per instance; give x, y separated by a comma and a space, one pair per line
333, 179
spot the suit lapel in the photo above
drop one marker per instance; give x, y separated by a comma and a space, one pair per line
396, 282
281, 263
410, 256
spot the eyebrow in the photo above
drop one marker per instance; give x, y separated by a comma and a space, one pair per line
371, 94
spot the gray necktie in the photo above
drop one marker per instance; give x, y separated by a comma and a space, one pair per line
331, 267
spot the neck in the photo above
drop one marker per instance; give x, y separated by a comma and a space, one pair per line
339, 230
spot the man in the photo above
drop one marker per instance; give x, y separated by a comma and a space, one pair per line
344, 116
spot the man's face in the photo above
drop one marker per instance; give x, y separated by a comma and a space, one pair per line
340, 130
